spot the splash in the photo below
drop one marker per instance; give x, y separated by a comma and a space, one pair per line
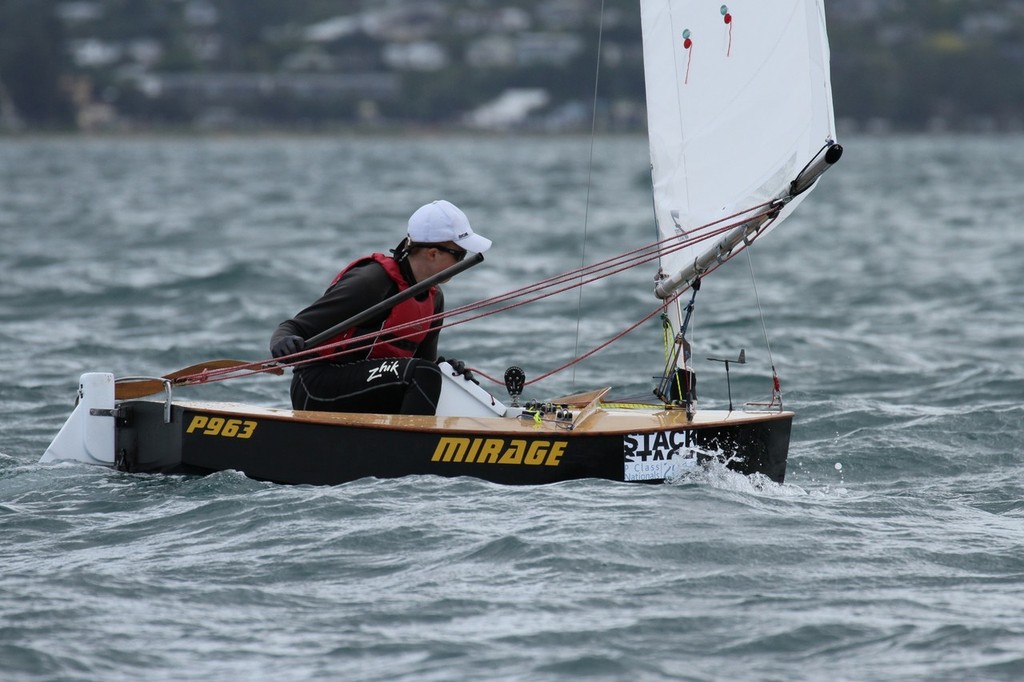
711, 468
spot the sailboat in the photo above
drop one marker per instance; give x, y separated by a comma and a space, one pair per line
740, 126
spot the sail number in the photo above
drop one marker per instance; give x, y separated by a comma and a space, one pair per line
219, 426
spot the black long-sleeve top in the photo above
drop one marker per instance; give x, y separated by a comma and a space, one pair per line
362, 287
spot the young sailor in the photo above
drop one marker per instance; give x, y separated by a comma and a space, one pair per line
398, 373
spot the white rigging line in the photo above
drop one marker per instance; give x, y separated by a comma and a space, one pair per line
590, 175
760, 312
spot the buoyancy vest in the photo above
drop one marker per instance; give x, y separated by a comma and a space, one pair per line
409, 310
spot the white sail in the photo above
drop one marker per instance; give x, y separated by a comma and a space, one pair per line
739, 100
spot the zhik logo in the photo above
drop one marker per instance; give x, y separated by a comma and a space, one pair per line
378, 372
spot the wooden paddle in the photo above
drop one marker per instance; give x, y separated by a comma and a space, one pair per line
130, 389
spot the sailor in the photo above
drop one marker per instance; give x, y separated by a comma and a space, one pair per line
392, 373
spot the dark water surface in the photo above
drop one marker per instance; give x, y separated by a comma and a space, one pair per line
892, 302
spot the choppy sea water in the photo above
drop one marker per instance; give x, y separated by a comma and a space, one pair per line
891, 301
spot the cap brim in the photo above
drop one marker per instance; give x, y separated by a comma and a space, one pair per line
474, 243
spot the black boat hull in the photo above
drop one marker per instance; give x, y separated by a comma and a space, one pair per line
324, 449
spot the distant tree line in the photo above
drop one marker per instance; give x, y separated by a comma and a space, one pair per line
908, 66
923, 76
32, 62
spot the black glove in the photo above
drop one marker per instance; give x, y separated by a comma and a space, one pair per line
459, 367
288, 345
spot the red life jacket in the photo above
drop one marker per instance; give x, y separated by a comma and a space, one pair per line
409, 310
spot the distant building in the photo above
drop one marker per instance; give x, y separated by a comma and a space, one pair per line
491, 52
201, 13
78, 12
422, 55
485, 20
333, 29
523, 50
93, 52
510, 109
551, 49
227, 87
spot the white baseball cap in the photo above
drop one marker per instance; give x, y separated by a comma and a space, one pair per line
442, 221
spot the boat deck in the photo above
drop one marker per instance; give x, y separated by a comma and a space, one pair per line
597, 419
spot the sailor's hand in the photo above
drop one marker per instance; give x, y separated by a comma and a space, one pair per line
288, 345
459, 368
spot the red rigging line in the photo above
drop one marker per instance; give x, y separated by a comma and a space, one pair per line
607, 343
542, 289
353, 345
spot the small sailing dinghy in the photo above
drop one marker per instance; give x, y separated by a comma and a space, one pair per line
740, 126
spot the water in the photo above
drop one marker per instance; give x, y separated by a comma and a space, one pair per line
892, 305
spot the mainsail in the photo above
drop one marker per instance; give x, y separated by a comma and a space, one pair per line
739, 100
